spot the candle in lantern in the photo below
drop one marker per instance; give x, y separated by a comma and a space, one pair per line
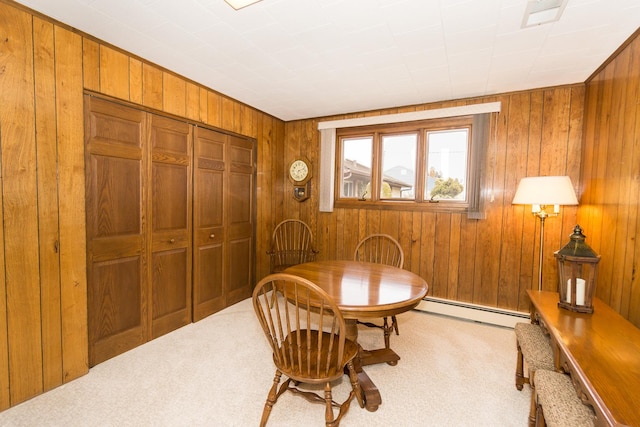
579, 291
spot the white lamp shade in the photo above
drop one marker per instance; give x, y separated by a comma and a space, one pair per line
545, 190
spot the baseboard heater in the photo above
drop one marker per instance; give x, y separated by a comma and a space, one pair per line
474, 312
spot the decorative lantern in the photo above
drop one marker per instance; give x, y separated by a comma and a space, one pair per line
577, 270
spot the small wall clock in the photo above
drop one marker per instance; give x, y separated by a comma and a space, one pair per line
300, 175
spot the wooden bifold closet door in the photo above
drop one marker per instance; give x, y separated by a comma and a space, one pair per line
138, 176
224, 249
170, 201
170, 224
117, 258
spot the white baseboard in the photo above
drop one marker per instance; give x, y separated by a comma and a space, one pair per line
477, 313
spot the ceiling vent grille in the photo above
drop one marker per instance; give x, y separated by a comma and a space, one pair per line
540, 12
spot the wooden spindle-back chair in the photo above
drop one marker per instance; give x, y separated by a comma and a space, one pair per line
381, 249
307, 335
291, 244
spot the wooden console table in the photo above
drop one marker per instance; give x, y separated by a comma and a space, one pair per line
601, 351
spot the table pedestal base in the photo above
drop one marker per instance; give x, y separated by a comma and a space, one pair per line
382, 355
369, 393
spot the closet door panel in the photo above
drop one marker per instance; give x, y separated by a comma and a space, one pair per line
241, 199
209, 221
240, 281
170, 199
116, 230
170, 300
117, 317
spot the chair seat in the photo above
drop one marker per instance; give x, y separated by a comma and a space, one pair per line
305, 367
535, 346
560, 404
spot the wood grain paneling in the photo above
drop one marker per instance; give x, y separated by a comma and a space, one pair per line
214, 109
20, 214
48, 217
151, 86
46, 66
192, 100
70, 123
174, 94
5, 114
492, 261
610, 174
91, 64
114, 73
135, 81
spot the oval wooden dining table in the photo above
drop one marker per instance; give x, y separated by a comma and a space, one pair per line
366, 290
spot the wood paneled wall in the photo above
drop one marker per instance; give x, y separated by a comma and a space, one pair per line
491, 261
45, 67
611, 178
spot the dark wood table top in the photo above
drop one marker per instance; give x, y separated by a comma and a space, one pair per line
604, 350
363, 289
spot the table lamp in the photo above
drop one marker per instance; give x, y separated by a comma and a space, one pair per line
542, 192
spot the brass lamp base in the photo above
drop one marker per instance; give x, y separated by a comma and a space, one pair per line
576, 308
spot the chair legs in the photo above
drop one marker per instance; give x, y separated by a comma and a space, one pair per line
344, 407
394, 323
386, 328
271, 399
539, 421
521, 380
355, 384
328, 406
532, 407
330, 421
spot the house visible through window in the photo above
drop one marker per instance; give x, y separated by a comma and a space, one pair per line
447, 154
422, 163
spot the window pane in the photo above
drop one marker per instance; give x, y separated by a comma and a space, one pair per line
355, 180
398, 166
447, 165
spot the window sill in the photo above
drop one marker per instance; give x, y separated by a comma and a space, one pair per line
396, 205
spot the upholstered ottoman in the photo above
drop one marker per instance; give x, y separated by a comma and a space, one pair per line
557, 404
533, 346
534, 349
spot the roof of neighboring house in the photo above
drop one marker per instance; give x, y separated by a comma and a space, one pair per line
351, 168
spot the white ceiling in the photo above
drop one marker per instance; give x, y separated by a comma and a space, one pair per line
298, 59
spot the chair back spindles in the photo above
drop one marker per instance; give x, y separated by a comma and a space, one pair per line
291, 244
293, 319
380, 249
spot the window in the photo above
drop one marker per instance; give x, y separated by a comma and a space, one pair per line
398, 156
424, 164
447, 152
356, 167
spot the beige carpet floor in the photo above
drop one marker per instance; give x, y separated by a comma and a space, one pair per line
217, 372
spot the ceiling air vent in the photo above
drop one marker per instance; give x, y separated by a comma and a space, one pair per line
542, 12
